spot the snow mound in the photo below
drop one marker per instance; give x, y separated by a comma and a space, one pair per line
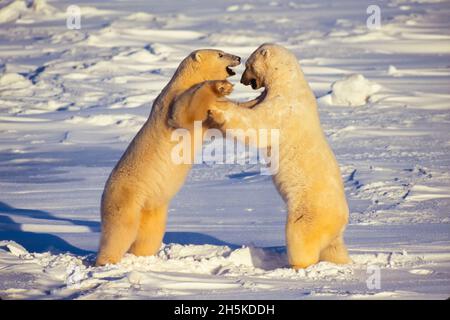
42, 7
13, 247
141, 56
353, 90
14, 81
158, 49
19, 8
12, 11
392, 70
140, 17
70, 36
180, 270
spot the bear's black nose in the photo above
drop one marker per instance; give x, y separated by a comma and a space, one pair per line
238, 59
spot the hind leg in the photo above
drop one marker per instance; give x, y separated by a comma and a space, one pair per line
303, 245
150, 233
119, 230
335, 252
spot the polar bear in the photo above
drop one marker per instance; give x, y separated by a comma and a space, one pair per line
138, 191
308, 177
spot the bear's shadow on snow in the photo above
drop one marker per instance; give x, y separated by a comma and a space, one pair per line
37, 241
41, 242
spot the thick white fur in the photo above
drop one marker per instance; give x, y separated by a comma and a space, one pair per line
137, 194
309, 178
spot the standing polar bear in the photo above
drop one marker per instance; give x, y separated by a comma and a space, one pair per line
138, 191
308, 178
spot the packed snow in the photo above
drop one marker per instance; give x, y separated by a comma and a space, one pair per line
72, 99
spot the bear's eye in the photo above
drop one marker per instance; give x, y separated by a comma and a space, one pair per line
220, 55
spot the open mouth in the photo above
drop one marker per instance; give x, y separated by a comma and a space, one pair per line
230, 71
254, 84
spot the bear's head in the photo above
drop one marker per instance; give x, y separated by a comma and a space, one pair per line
269, 61
213, 64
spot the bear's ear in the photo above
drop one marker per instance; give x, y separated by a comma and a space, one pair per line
197, 56
265, 52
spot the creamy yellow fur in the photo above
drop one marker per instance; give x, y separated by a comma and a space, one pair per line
309, 178
193, 104
138, 191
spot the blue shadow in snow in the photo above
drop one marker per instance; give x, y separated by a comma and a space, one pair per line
195, 238
42, 242
37, 241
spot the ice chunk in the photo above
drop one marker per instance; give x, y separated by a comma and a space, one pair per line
353, 90
12, 11
13, 247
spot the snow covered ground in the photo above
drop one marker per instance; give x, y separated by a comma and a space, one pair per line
71, 100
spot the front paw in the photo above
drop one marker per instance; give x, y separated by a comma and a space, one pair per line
215, 119
222, 87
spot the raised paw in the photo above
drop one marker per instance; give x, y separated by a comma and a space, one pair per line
222, 87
